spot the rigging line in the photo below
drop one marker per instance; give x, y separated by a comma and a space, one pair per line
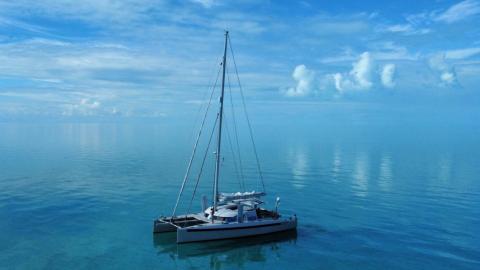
233, 157
194, 150
203, 163
246, 116
235, 131
200, 108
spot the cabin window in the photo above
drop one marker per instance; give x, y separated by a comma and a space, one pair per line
232, 207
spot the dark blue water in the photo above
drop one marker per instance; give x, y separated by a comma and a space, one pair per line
386, 193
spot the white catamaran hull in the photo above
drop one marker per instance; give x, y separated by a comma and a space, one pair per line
233, 230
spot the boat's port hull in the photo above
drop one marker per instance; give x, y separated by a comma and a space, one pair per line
235, 230
169, 224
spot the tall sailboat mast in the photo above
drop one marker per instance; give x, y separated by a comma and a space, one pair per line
219, 143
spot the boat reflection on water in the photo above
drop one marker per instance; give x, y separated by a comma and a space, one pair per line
223, 253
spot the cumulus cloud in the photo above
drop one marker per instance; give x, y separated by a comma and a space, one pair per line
363, 76
305, 82
387, 75
338, 81
85, 106
362, 70
448, 77
359, 78
446, 73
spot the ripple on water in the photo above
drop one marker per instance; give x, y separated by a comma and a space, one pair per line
84, 197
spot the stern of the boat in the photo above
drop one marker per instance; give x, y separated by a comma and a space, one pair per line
161, 225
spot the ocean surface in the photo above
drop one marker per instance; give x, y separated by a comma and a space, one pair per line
371, 191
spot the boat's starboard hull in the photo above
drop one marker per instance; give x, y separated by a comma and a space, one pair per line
235, 230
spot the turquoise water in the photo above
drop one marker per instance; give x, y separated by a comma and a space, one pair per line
386, 193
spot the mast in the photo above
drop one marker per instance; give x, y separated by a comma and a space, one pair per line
218, 157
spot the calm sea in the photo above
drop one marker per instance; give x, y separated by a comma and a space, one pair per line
371, 191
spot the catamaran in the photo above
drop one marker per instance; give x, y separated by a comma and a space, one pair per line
232, 215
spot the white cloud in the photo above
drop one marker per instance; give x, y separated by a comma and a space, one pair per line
363, 75
407, 29
387, 75
205, 3
462, 53
361, 71
4, 21
53, 60
388, 51
400, 28
338, 81
421, 23
305, 82
347, 55
86, 103
447, 77
359, 78
85, 106
120, 12
381, 51
135, 53
415, 24
459, 11
445, 72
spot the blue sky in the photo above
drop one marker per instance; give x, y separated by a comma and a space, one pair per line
148, 58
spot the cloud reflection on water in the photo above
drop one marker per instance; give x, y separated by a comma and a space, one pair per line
361, 174
299, 161
385, 177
